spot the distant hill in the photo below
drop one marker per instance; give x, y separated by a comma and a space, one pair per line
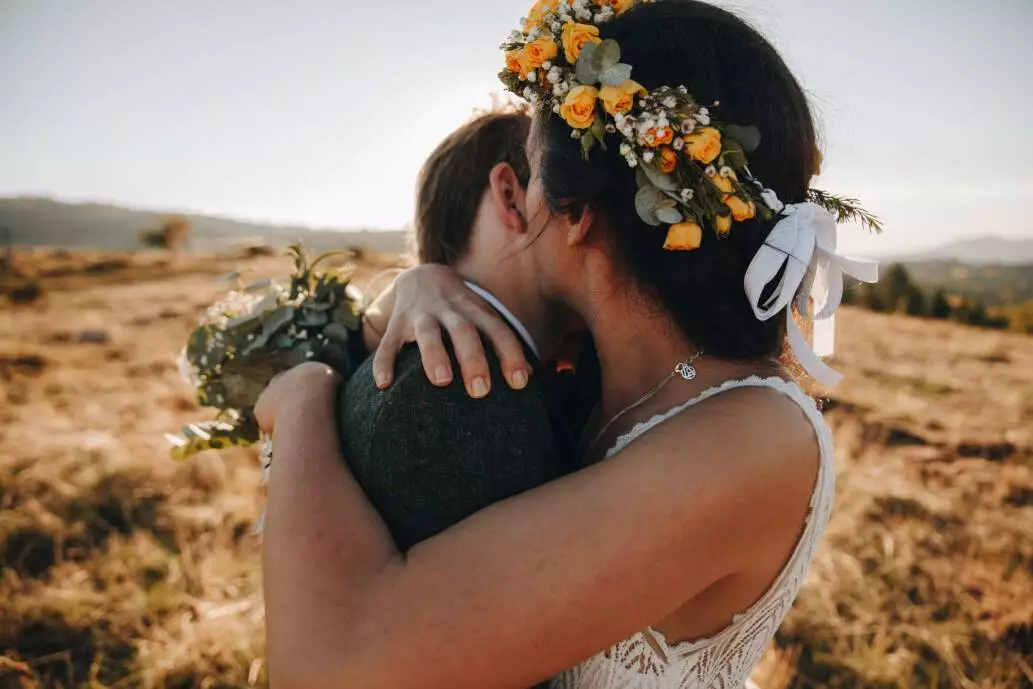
36, 221
976, 251
989, 284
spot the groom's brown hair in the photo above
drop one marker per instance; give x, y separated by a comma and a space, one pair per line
453, 179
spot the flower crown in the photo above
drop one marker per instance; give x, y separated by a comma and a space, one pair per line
690, 167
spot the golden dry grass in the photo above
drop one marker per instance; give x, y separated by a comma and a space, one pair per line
121, 568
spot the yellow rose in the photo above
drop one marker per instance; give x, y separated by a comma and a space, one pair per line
537, 13
541, 51
741, 210
704, 145
575, 36
723, 224
685, 236
658, 137
518, 62
579, 108
621, 98
668, 160
724, 184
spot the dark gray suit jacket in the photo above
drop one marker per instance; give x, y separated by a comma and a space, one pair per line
428, 457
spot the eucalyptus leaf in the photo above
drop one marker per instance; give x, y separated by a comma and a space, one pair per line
616, 75
276, 320
668, 215
606, 55
588, 141
311, 318
338, 333
584, 70
648, 200
598, 129
733, 155
748, 137
259, 285
659, 179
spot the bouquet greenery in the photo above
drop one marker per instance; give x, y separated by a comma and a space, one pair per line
258, 331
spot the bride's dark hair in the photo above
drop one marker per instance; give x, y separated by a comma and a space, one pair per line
718, 57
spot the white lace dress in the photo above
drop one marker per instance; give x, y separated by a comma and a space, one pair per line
723, 661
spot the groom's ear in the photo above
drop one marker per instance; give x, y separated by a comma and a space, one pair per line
509, 197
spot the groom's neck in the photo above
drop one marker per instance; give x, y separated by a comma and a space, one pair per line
505, 278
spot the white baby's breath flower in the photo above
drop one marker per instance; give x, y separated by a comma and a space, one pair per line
670, 102
648, 156
688, 126
554, 74
632, 161
556, 108
711, 170
727, 171
687, 195
662, 120
584, 15
678, 143
702, 118
625, 149
547, 65
532, 76
557, 26
534, 33
527, 93
642, 104
683, 91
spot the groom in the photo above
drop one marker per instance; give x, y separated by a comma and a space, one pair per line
428, 457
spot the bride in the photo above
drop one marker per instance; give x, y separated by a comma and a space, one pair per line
672, 557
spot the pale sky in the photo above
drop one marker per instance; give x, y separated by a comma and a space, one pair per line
321, 112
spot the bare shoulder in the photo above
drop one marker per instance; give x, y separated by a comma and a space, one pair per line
750, 454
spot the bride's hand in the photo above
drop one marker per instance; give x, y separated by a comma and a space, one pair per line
293, 391
427, 298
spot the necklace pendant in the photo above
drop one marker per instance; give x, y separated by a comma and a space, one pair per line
685, 370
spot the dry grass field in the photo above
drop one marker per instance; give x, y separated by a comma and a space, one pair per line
120, 568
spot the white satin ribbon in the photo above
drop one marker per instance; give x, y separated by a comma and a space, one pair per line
804, 243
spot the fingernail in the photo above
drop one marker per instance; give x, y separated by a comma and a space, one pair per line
519, 380
381, 379
479, 388
442, 375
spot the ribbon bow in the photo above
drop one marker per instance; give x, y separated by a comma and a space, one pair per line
804, 244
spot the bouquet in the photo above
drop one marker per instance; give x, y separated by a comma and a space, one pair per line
258, 331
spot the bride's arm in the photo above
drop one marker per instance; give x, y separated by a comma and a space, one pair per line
529, 586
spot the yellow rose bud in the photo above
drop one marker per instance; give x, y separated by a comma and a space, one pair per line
668, 160
579, 108
518, 62
575, 36
541, 51
724, 184
685, 236
723, 224
658, 137
704, 145
741, 210
621, 98
537, 13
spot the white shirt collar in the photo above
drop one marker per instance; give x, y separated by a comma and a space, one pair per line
507, 314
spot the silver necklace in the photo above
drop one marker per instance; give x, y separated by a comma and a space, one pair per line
685, 369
